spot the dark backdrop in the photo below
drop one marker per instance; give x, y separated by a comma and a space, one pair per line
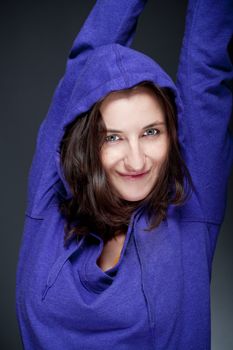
36, 37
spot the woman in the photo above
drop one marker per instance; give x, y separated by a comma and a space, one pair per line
131, 160
135, 269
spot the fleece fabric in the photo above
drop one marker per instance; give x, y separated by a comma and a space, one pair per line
158, 295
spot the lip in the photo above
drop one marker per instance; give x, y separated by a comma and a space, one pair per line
132, 176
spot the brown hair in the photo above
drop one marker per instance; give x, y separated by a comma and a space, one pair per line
95, 205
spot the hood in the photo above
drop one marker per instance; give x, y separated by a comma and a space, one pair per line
110, 68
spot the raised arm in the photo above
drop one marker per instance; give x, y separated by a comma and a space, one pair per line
110, 21
204, 72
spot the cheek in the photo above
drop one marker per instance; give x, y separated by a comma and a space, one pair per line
164, 152
109, 157
158, 152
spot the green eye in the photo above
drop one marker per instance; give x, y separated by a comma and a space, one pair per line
112, 138
151, 132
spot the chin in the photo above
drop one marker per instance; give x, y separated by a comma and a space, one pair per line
133, 198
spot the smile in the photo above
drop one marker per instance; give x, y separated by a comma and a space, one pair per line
134, 176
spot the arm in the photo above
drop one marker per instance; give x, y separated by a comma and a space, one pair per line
110, 21
204, 72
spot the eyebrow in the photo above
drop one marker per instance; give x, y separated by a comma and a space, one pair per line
145, 127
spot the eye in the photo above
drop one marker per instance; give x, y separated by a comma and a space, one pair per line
151, 132
112, 138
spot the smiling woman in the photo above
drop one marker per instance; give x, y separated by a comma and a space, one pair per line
109, 179
126, 155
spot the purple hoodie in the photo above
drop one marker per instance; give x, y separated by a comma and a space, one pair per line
158, 295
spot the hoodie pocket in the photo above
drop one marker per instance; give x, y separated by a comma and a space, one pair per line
58, 265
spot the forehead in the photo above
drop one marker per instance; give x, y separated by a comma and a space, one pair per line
138, 107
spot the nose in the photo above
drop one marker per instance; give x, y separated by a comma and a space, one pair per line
135, 157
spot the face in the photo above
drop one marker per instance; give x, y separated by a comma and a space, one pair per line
136, 143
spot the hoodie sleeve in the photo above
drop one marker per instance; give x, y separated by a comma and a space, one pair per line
204, 73
110, 21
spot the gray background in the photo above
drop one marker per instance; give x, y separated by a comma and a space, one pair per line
36, 37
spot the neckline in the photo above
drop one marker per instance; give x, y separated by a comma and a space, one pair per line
91, 275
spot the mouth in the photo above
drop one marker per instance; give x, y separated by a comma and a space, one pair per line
134, 176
